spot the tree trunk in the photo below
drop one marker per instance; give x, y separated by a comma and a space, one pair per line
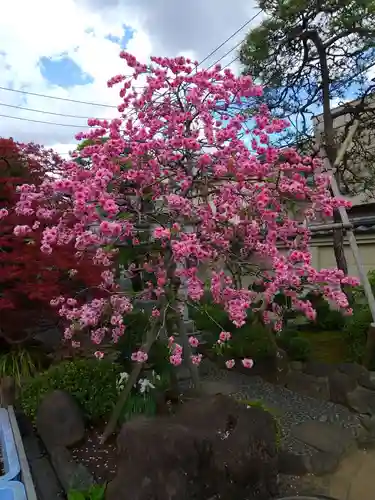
330, 144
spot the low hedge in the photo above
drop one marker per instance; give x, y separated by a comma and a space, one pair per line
91, 382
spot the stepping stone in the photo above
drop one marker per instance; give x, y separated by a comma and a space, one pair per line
355, 477
362, 400
325, 437
210, 388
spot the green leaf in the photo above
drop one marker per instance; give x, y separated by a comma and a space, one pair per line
124, 215
108, 248
126, 254
97, 492
76, 495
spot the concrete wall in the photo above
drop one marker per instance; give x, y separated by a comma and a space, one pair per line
364, 134
323, 256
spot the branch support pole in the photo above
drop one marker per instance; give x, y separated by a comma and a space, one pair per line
346, 223
111, 425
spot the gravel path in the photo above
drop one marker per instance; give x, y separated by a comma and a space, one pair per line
291, 408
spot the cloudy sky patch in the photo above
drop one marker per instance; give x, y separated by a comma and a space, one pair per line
69, 49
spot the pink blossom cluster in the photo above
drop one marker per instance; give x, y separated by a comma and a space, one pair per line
183, 142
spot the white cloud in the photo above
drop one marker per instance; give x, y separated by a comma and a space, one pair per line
49, 29
78, 29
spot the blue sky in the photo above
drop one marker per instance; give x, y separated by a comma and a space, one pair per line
63, 71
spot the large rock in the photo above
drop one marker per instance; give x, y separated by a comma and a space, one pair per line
362, 400
59, 420
322, 462
355, 371
215, 387
340, 384
308, 385
292, 464
319, 369
349, 384
325, 437
212, 446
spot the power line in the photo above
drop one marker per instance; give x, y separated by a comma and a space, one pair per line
46, 96
49, 112
59, 98
101, 104
226, 54
229, 38
41, 121
232, 61
235, 47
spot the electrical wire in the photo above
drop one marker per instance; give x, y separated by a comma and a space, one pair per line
41, 121
102, 104
225, 55
46, 96
49, 112
59, 98
229, 38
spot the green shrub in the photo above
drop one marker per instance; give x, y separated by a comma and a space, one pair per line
355, 332
252, 341
284, 337
326, 318
359, 292
211, 318
95, 492
299, 349
91, 382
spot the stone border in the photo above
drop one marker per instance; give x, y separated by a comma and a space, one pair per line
72, 475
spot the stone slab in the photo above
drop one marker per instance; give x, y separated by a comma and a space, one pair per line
325, 437
362, 400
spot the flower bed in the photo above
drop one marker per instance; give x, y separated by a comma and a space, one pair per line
100, 459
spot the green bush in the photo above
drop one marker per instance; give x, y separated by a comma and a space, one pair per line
359, 292
95, 492
252, 341
326, 318
284, 337
91, 382
297, 348
211, 318
355, 332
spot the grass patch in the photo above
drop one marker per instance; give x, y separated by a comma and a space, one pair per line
326, 346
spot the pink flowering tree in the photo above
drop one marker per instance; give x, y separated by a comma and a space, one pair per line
187, 181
